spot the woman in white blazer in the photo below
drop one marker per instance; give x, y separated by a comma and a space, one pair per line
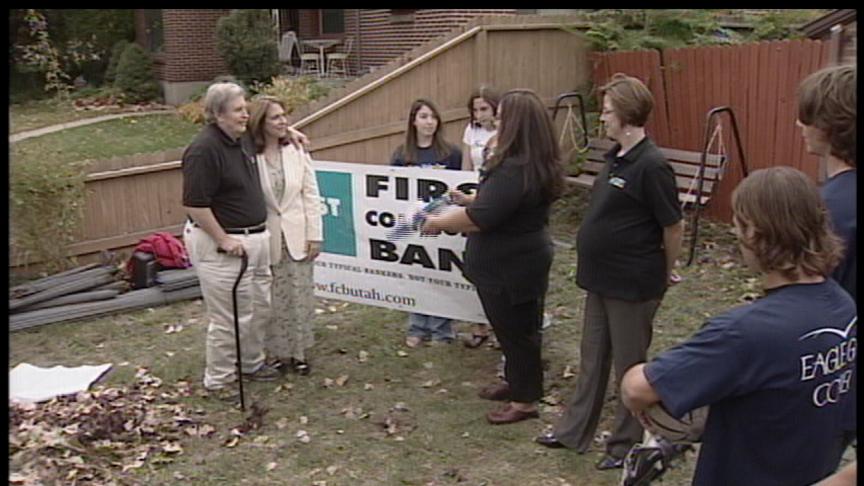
294, 220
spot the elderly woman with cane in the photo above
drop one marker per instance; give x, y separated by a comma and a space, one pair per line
509, 251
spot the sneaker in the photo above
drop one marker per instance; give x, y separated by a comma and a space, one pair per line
280, 365
645, 463
264, 373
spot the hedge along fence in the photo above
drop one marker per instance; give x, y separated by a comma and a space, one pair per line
126, 199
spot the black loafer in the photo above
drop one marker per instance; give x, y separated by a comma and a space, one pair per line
609, 462
549, 440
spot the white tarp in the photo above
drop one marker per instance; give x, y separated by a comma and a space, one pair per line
361, 203
28, 383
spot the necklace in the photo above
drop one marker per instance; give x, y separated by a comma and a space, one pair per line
272, 158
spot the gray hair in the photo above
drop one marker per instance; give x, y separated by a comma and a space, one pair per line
217, 97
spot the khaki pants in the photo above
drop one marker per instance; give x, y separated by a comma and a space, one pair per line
217, 273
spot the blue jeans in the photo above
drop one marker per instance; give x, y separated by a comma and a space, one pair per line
430, 327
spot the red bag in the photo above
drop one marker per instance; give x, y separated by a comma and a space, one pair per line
168, 250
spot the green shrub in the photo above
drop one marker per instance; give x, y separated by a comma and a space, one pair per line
778, 26
116, 53
26, 85
246, 42
135, 75
192, 111
293, 92
46, 208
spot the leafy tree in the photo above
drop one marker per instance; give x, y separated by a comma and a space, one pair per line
88, 35
777, 26
247, 44
38, 53
635, 29
48, 42
116, 53
135, 75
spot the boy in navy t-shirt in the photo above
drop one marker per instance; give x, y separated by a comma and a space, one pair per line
827, 116
776, 373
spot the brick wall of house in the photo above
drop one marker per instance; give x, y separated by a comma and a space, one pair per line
382, 39
308, 20
189, 49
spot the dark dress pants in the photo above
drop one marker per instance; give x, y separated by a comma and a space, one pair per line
517, 327
614, 331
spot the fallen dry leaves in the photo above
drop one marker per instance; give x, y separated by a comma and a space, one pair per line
99, 436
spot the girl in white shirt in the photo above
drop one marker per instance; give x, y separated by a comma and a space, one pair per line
482, 106
481, 126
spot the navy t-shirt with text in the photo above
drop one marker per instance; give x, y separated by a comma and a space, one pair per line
840, 193
427, 158
776, 374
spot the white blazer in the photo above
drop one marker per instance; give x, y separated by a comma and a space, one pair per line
297, 216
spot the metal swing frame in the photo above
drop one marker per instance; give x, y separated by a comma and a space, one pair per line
715, 112
578, 96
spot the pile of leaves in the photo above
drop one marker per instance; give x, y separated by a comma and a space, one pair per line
109, 98
101, 436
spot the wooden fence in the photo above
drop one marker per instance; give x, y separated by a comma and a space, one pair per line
132, 197
126, 199
368, 122
759, 81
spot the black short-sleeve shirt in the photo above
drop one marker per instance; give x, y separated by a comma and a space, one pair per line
620, 240
220, 173
513, 249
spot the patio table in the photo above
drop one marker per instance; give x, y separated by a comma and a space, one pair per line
321, 45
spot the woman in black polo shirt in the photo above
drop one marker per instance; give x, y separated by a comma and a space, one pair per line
509, 251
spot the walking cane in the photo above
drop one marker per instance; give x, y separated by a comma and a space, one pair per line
244, 262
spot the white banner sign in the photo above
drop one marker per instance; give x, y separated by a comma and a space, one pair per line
358, 263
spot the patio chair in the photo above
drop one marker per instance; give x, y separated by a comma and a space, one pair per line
340, 59
310, 62
287, 47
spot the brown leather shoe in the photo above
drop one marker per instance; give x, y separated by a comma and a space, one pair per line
498, 392
509, 415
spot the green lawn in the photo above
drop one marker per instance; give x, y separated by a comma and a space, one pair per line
439, 435
125, 136
43, 113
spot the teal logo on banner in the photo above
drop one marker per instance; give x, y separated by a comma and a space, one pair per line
337, 199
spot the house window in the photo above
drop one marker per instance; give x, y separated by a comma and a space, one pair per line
332, 21
153, 29
402, 15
